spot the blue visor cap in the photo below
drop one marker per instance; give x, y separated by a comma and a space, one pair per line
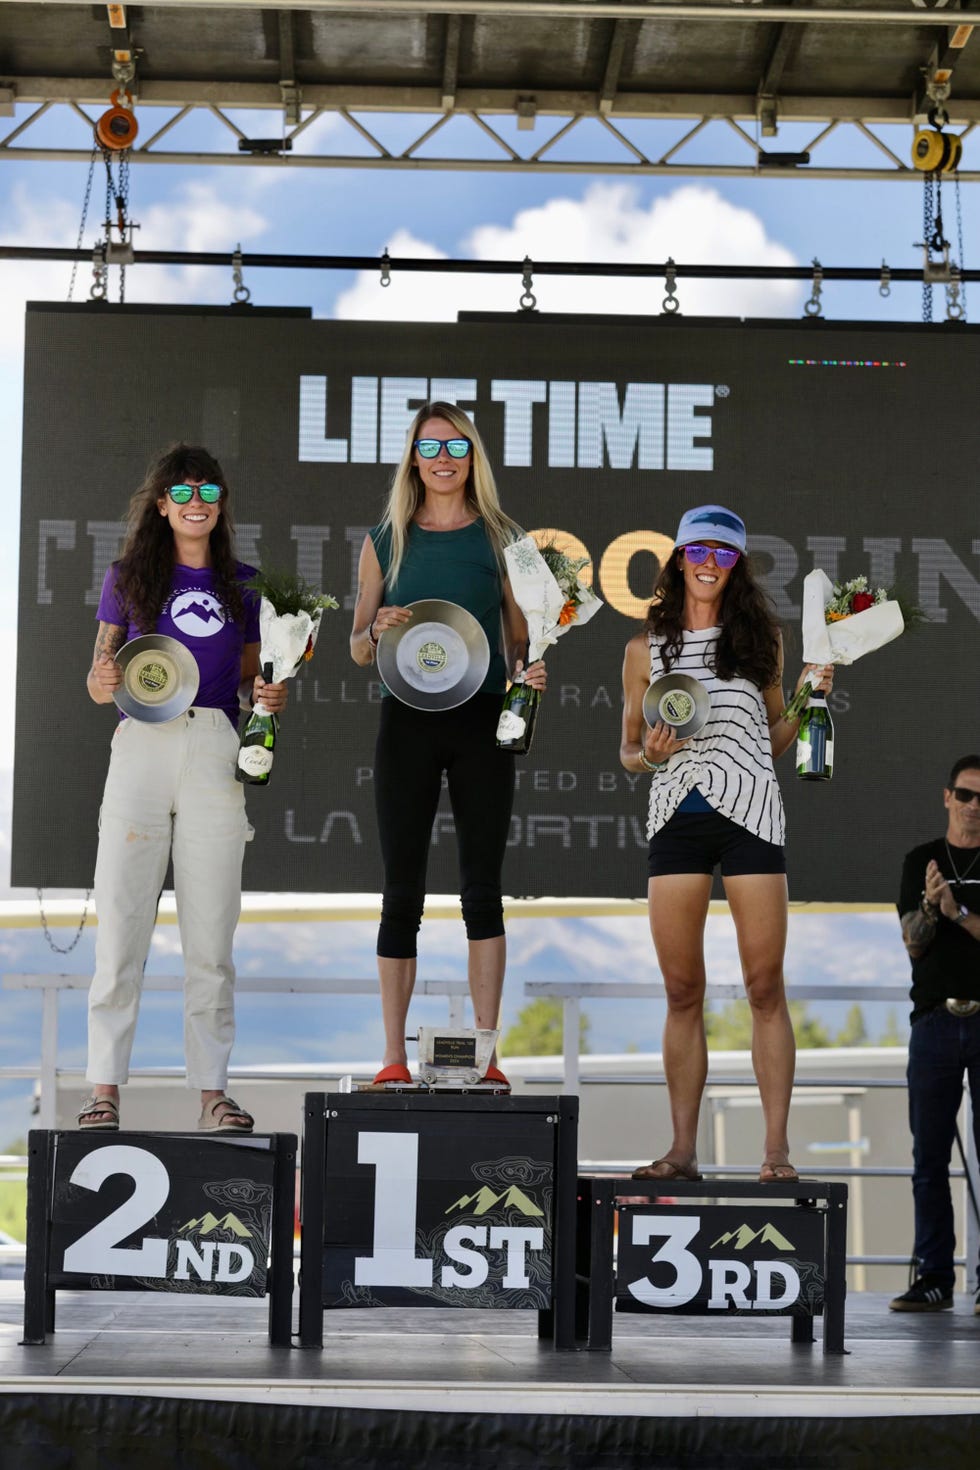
711, 523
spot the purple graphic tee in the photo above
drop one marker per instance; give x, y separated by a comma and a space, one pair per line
194, 615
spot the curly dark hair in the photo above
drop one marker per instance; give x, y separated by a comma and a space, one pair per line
144, 572
748, 645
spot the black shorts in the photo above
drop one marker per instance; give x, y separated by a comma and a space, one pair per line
696, 842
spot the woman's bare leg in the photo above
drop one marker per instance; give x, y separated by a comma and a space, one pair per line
678, 908
397, 978
759, 907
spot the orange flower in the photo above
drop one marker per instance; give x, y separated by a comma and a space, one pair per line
568, 613
308, 651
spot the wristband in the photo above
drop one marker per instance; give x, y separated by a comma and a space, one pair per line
371, 638
649, 765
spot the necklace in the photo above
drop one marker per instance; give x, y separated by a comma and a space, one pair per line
961, 877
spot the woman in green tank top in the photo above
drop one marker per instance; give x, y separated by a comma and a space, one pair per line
442, 536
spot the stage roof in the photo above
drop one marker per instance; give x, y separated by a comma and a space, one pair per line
502, 84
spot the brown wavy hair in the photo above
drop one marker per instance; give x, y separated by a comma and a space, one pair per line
748, 645
144, 572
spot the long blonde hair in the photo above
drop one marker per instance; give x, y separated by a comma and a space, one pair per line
407, 491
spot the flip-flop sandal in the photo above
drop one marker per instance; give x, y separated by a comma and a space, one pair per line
104, 1112
778, 1174
676, 1171
396, 1073
223, 1115
494, 1075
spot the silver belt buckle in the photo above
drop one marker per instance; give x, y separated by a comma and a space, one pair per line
962, 1007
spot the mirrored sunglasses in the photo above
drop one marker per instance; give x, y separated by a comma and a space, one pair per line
184, 494
725, 556
455, 448
965, 794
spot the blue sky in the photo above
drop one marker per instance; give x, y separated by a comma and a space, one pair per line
483, 215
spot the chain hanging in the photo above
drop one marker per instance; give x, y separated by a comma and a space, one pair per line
961, 293
62, 948
81, 226
117, 200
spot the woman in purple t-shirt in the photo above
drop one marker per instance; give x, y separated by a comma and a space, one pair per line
171, 788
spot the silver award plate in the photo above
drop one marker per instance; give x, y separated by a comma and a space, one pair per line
436, 661
679, 700
160, 678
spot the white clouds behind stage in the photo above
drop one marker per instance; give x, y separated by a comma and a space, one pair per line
610, 223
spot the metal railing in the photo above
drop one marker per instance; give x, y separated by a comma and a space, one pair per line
47, 1071
570, 994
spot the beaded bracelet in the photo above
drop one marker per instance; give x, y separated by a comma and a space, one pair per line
649, 765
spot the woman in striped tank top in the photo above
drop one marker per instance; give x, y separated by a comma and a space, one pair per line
714, 801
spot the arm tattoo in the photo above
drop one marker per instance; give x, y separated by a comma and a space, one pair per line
109, 640
918, 929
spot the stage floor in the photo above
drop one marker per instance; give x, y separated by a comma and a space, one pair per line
214, 1348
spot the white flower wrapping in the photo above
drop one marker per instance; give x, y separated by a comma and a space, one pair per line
848, 640
284, 639
541, 599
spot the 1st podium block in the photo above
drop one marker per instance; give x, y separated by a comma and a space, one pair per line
439, 1199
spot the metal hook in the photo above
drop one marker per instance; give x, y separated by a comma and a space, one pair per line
528, 299
670, 301
100, 273
813, 306
885, 284
386, 268
241, 292
954, 306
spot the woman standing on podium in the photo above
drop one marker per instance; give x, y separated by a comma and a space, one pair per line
714, 800
441, 536
171, 788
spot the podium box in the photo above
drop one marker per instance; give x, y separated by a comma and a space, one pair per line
165, 1212
711, 1247
439, 1199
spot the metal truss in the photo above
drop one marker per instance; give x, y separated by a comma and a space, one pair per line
620, 154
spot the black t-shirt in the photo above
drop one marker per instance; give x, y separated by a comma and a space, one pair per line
951, 964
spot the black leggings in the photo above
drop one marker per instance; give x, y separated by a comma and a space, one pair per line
414, 748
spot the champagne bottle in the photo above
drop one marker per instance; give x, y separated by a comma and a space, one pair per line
815, 741
257, 747
515, 728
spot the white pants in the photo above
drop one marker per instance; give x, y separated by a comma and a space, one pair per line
169, 787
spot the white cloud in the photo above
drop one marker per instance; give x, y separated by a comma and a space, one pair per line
194, 217
609, 223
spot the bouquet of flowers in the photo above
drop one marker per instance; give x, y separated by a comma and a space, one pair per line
842, 621
553, 598
289, 621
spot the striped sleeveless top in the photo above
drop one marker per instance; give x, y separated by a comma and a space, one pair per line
730, 762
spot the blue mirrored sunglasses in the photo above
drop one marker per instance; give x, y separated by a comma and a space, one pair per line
184, 494
725, 556
455, 448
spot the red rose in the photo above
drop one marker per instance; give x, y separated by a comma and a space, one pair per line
861, 601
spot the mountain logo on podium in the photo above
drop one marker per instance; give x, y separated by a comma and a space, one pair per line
745, 1236
486, 1199
209, 1223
